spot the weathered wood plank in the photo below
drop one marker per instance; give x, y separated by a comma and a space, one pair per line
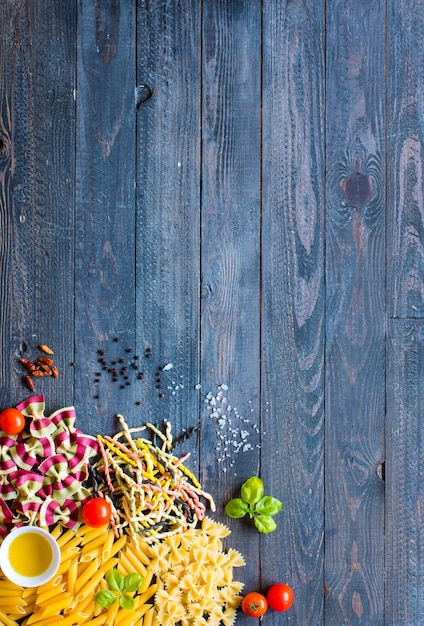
355, 309
105, 253
404, 473
168, 213
405, 241
293, 299
230, 258
37, 163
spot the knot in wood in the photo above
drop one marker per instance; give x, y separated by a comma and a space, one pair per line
357, 189
142, 94
4, 152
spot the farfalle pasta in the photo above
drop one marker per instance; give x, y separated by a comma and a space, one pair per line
43, 469
195, 579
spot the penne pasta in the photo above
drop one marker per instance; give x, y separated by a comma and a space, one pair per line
53, 608
110, 538
85, 607
13, 605
70, 552
143, 597
7, 584
96, 553
85, 577
70, 620
97, 621
95, 542
127, 618
148, 617
118, 545
92, 584
111, 613
5, 620
91, 533
142, 609
54, 582
72, 576
49, 594
125, 564
137, 563
67, 539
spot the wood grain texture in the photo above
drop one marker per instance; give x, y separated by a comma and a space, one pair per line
168, 212
37, 166
355, 309
293, 326
405, 249
404, 470
105, 205
230, 257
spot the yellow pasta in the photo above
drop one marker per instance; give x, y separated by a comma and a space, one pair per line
72, 576
142, 598
124, 566
118, 545
138, 563
15, 605
111, 613
68, 553
7, 584
148, 617
49, 594
107, 546
54, 582
65, 621
93, 544
92, 584
84, 606
88, 573
53, 608
127, 618
147, 581
7, 621
100, 620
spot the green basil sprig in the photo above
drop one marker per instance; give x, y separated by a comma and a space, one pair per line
253, 503
117, 582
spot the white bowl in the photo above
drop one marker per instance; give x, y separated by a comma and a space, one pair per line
18, 578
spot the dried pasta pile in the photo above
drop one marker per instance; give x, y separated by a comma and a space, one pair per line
188, 579
152, 492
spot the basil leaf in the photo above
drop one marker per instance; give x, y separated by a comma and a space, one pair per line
252, 490
127, 602
265, 523
115, 580
105, 598
133, 582
268, 506
236, 508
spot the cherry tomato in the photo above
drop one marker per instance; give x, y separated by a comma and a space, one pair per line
254, 604
280, 597
96, 512
12, 421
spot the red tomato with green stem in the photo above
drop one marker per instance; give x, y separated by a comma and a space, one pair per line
254, 604
280, 597
12, 421
96, 512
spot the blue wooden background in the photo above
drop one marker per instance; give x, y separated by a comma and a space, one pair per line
235, 188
